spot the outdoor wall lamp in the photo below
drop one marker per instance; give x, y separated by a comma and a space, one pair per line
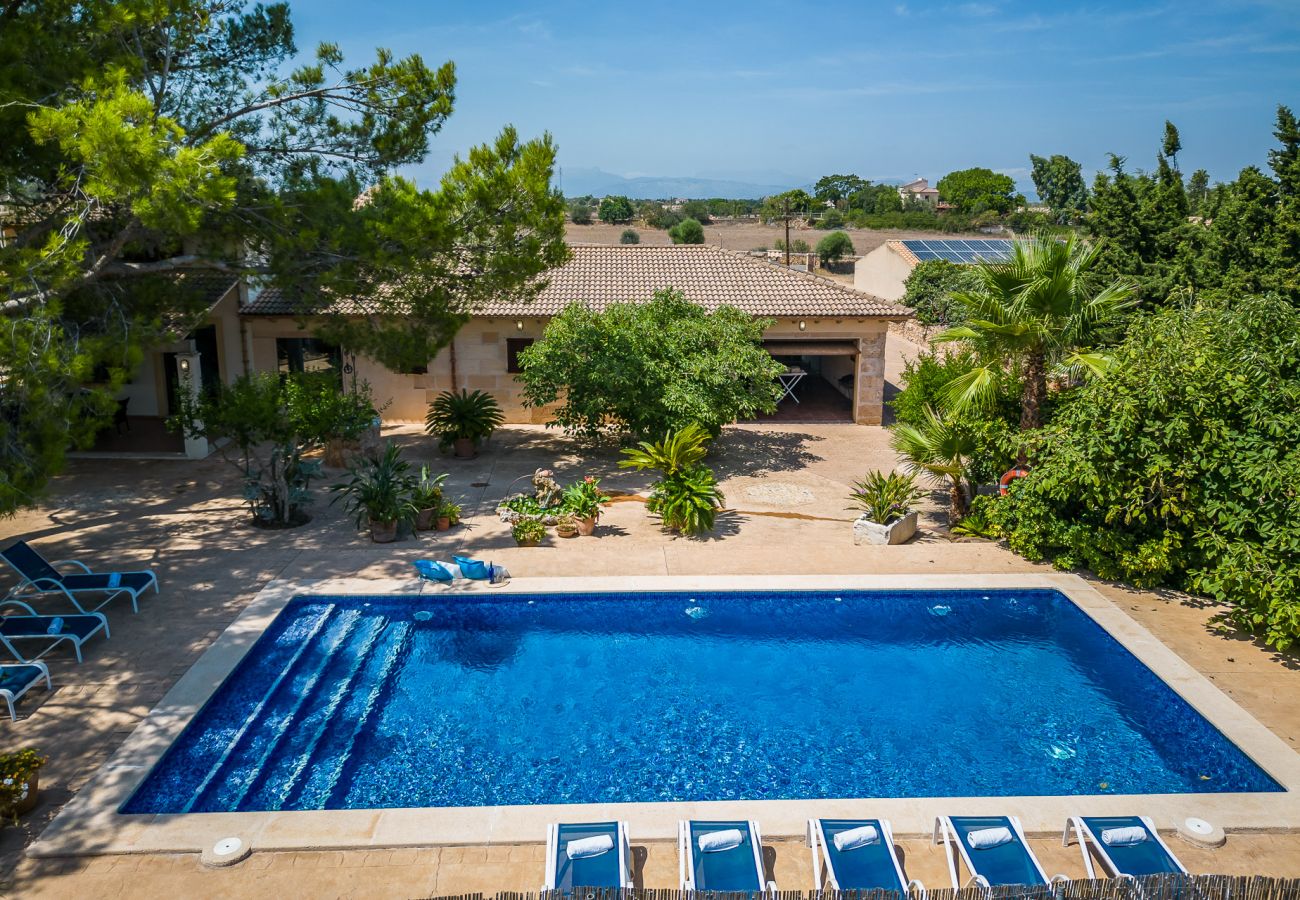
803, 326
519, 325
185, 366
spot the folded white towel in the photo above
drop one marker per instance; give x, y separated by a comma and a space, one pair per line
988, 838
1124, 837
590, 846
717, 841
56, 626
856, 837
452, 568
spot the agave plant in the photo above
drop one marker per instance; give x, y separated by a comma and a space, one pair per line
940, 448
463, 419
885, 498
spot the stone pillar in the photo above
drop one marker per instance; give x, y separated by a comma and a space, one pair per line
869, 383
189, 378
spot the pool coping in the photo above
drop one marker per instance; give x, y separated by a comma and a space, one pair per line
89, 824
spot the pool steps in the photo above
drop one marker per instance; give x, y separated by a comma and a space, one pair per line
280, 781
256, 712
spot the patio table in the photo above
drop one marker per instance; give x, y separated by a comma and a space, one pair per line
788, 380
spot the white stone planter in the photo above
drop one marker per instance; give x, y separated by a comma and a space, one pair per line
867, 532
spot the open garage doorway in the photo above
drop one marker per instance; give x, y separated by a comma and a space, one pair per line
818, 383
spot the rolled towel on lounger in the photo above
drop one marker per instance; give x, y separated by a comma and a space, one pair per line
1124, 837
856, 837
589, 846
988, 838
717, 841
56, 626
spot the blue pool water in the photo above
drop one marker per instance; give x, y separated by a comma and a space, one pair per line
364, 702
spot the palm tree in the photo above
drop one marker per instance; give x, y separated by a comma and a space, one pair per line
940, 448
1036, 311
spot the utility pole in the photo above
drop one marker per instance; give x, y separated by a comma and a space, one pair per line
785, 214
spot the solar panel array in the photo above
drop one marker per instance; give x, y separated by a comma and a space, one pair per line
961, 251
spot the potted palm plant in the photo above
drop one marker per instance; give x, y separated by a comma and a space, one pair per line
378, 494
426, 497
528, 532
886, 502
583, 500
461, 420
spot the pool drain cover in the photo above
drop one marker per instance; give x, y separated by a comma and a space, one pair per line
1200, 833
226, 852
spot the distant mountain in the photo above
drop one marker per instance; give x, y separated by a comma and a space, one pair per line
577, 182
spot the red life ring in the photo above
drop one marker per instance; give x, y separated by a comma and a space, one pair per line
1009, 476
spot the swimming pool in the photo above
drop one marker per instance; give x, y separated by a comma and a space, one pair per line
484, 700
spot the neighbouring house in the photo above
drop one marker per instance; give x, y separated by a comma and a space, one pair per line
883, 272
833, 333
920, 191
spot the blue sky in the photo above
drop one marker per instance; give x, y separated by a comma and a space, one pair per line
785, 92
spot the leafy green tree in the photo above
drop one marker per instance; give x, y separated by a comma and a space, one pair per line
929, 291
629, 236
976, 190
1171, 144
1034, 312
834, 247
886, 200
1198, 190
697, 210
615, 210
146, 140
1059, 182
836, 188
687, 231
831, 218
651, 367
580, 212
265, 426
796, 204
1180, 466
656, 215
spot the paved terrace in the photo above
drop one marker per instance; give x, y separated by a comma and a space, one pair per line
786, 487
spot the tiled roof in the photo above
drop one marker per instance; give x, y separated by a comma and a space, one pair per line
597, 276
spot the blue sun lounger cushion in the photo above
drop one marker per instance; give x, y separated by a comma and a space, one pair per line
432, 571
859, 856
993, 847
592, 854
472, 568
728, 867
1126, 853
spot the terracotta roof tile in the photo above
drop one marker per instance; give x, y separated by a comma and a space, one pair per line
597, 276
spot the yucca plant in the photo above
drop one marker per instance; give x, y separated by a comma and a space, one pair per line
378, 493
462, 419
885, 498
940, 448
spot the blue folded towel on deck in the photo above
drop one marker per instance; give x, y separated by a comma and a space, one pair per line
56, 626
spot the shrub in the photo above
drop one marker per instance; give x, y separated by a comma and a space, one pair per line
834, 247
17, 769
614, 210
832, 218
687, 231
1180, 466
463, 415
697, 210
990, 426
265, 425
798, 245
928, 291
885, 498
580, 212
629, 236
647, 368
656, 215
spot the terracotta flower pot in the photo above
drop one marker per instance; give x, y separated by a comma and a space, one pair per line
383, 532
444, 523
464, 448
566, 531
532, 543
425, 518
587, 526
